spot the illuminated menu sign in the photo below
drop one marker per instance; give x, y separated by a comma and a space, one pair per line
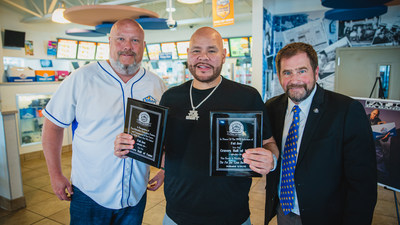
251, 42
103, 51
239, 47
182, 49
154, 51
169, 47
145, 56
226, 46
67, 49
86, 50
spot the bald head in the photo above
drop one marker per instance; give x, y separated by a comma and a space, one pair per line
125, 23
206, 55
209, 33
126, 47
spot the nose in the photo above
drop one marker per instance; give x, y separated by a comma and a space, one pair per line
295, 77
127, 45
203, 56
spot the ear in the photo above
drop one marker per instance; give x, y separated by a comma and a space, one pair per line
223, 55
279, 79
316, 73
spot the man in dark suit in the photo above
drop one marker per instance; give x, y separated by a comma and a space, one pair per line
326, 172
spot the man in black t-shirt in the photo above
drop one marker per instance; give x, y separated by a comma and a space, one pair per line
194, 197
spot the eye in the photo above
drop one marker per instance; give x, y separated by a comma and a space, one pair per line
286, 73
135, 40
195, 51
303, 71
121, 39
212, 51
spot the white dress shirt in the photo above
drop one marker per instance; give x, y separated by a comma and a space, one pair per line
305, 108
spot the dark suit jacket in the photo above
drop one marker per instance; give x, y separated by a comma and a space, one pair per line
335, 176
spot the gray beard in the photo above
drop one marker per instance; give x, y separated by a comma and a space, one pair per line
300, 98
123, 69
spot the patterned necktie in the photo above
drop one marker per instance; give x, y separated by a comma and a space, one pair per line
289, 163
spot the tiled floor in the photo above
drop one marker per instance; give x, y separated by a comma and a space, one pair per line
43, 208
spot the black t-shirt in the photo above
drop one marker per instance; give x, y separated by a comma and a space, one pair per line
194, 197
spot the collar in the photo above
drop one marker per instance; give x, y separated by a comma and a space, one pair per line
107, 67
303, 105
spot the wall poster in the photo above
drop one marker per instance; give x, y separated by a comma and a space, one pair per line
325, 36
384, 117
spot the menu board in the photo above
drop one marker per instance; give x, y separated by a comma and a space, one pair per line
67, 49
103, 51
154, 51
170, 47
239, 47
145, 56
86, 50
226, 46
251, 42
182, 47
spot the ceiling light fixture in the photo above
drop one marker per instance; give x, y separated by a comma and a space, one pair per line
58, 14
171, 23
190, 1
170, 6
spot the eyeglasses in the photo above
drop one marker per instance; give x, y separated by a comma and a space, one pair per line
123, 40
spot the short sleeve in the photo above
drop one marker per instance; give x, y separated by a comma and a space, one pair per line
61, 108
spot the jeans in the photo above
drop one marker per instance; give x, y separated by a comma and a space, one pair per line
85, 211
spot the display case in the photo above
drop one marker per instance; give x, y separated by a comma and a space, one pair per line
172, 72
30, 108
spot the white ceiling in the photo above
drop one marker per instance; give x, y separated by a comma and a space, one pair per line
35, 11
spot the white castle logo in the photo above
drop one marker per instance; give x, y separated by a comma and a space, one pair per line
236, 128
144, 118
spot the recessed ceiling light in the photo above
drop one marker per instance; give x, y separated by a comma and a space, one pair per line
190, 1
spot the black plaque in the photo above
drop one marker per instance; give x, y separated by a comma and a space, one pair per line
231, 134
146, 123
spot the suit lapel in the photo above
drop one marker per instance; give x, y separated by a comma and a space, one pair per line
280, 117
316, 111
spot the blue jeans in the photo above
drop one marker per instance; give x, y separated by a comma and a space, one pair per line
85, 211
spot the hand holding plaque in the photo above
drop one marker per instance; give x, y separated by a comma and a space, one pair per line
146, 123
231, 134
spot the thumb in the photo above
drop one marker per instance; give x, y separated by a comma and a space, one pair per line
151, 181
69, 188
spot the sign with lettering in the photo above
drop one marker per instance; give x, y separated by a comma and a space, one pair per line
146, 123
231, 134
223, 13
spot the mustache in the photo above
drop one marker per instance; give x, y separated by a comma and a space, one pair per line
195, 65
297, 86
129, 52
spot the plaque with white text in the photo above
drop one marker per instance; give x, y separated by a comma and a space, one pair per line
231, 134
146, 123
